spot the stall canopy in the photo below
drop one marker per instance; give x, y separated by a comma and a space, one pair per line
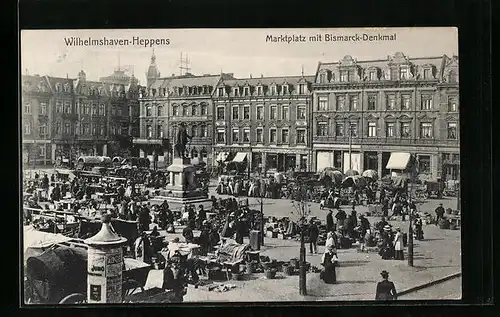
240, 157
398, 161
222, 156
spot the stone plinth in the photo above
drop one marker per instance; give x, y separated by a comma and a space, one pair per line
182, 184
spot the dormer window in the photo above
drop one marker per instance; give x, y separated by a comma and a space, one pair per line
99, 91
221, 92
452, 77
427, 73
394, 74
373, 75
344, 76
273, 90
259, 90
236, 91
58, 87
302, 89
246, 91
195, 90
66, 88
403, 73
285, 89
322, 78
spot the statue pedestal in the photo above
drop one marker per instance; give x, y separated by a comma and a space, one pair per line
182, 185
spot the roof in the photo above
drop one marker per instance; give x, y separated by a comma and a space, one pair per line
266, 81
32, 82
398, 161
54, 81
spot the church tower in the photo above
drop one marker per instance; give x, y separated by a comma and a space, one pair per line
153, 73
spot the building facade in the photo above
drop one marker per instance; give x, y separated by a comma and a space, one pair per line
364, 111
265, 120
169, 101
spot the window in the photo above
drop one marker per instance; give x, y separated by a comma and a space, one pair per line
246, 91
284, 113
59, 106
194, 110
160, 111
301, 112
273, 90
302, 89
58, 87
259, 90
58, 127
339, 129
148, 111
452, 130
184, 110
391, 103
372, 129
203, 131
258, 135
203, 109
272, 136
103, 130
43, 108
424, 163
405, 129
372, 102
403, 73
113, 110
284, 90
27, 128
344, 76
27, 108
86, 129
66, 88
42, 150
273, 113
427, 73
260, 113
405, 103
43, 130
323, 103
236, 113
246, 136
394, 74
353, 127
322, 78
340, 103
389, 129
149, 131
221, 136
426, 130
67, 128
353, 103
322, 129
220, 113
236, 91
246, 112
94, 129
87, 108
284, 136
373, 75
426, 103
220, 92
301, 136
94, 109
102, 109
160, 131
175, 111
194, 131
236, 134
452, 105
452, 77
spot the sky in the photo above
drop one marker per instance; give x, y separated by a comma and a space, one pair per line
243, 52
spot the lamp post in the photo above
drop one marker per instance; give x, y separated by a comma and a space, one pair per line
413, 171
350, 146
301, 205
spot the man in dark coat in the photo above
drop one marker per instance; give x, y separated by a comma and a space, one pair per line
341, 217
174, 278
187, 233
45, 182
386, 289
329, 222
202, 215
313, 237
181, 141
144, 219
439, 213
364, 224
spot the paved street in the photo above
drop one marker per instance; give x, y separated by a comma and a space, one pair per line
435, 257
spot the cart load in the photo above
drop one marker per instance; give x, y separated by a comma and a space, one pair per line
370, 175
232, 251
351, 173
354, 181
332, 175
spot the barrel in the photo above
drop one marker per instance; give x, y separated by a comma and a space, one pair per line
255, 239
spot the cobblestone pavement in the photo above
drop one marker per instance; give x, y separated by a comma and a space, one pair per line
435, 257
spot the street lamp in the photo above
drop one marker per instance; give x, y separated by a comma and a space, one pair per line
301, 205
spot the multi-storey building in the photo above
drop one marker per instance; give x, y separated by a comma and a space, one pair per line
36, 117
63, 117
266, 120
168, 101
364, 111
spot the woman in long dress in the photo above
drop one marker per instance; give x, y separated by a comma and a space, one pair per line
398, 245
328, 275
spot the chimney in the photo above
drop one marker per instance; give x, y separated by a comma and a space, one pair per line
250, 76
261, 76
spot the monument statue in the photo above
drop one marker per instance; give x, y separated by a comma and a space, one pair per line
181, 141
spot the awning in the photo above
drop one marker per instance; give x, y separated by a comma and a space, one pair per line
240, 157
398, 161
222, 156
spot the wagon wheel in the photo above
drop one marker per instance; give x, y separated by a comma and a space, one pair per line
75, 298
130, 287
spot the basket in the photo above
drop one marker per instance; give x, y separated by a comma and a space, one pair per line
270, 274
294, 263
265, 265
288, 269
250, 268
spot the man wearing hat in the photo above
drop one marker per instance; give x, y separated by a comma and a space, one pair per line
439, 213
202, 215
385, 289
313, 236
